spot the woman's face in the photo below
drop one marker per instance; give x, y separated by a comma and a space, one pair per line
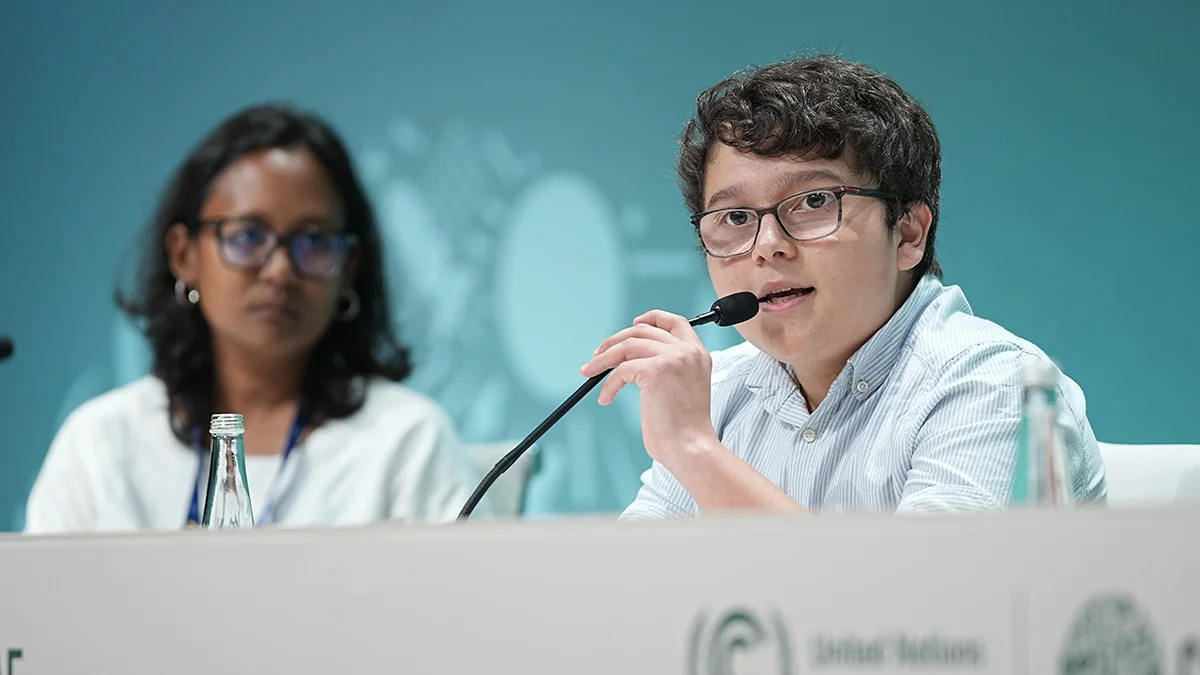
256, 299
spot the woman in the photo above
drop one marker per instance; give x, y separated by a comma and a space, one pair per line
262, 294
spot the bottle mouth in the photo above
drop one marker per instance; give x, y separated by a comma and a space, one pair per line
226, 425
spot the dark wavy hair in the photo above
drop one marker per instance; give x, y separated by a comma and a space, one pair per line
828, 108
179, 336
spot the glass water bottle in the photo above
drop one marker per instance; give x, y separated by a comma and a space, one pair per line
1040, 475
227, 505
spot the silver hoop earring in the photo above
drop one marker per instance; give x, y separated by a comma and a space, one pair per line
351, 308
185, 298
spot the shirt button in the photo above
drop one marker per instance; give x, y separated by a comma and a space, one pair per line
810, 435
862, 386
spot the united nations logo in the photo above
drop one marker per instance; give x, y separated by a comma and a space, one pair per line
1110, 635
739, 641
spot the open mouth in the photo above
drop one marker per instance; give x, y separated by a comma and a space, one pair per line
784, 296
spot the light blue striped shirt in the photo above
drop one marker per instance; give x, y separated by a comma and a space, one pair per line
923, 418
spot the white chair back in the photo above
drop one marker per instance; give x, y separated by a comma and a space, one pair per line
1140, 475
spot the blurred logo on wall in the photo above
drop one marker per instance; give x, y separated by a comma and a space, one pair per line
508, 274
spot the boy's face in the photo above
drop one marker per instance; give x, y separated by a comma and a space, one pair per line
847, 285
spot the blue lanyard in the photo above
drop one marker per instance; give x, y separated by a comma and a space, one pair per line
293, 439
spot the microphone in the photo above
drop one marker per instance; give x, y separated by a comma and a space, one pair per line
726, 311
6, 347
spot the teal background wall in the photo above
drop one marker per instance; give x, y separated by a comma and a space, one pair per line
521, 157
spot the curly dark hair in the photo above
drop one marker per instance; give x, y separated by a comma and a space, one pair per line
821, 107
180, 337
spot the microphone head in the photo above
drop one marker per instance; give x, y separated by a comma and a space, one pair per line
735, 308
6, 347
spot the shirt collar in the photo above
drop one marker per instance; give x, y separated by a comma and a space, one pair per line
869, 366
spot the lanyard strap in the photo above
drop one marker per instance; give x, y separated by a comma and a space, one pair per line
293, 439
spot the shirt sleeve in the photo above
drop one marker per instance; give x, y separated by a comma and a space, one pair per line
433, 478
661, 496
63, 498
965, 450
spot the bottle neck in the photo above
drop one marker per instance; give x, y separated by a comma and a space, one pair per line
228, 496
1038, 394
224, 440
229, 456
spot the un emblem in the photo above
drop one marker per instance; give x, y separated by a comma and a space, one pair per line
1111, 636
739, 641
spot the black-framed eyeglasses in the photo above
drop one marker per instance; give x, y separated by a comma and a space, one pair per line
247, 244
804, 216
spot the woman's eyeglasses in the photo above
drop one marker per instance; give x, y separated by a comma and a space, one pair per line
247, 243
